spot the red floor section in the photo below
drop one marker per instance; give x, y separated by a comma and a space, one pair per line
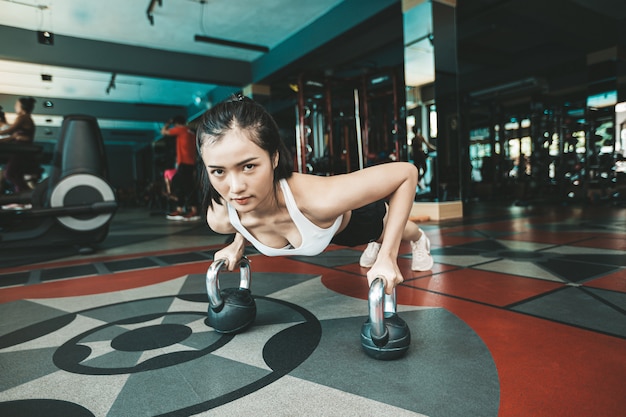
101, 284
614, 282
484, 286
602, 242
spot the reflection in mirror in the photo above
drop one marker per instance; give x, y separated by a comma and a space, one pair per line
419, 73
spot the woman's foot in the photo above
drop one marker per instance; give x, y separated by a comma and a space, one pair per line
368, 257
422, 259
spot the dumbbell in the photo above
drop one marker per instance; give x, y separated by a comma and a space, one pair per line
384, 335
231, 310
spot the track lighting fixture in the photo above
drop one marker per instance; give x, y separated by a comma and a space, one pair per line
150, 10
233, 44
111, 83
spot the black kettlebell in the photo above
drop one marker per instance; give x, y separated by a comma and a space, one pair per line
384, 335
231, 310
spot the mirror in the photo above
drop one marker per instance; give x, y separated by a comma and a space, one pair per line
419, 74
432, 104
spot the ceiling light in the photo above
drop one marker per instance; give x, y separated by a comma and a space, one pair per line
45, 38
378, 80
36, 6
233, 44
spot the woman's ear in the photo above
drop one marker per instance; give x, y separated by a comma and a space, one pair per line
275, 160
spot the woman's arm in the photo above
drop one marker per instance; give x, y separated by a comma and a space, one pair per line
218, 221
325, 198
233, 252
400, 204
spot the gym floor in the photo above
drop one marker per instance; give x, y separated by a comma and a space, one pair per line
523, 314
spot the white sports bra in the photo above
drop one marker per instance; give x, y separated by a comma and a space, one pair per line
314, 238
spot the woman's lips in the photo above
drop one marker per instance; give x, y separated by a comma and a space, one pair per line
241, 201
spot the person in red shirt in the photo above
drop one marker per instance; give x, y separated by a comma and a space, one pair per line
184, 181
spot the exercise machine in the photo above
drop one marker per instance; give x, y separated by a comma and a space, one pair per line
74, 205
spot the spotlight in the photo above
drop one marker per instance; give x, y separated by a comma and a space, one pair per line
46, 77
45, 38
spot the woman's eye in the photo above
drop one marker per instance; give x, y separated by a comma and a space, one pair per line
217, 172
248, 167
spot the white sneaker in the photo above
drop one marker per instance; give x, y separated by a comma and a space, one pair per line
191, 217
368, 257
422, 259
175, 215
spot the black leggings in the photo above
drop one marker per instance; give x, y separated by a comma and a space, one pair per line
365, 225
184, 185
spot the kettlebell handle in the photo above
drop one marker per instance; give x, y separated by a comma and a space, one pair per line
380, 303
213, 284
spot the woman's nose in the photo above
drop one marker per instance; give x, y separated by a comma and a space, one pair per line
237, 184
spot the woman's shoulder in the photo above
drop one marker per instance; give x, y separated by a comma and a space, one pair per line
315, 196
298, 181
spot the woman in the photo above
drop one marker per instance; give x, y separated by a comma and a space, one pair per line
251, 191
22, 130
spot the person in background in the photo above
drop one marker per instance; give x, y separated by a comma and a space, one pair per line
168, 176
3, 125
22, 130
3, 119
420, 156
184, 181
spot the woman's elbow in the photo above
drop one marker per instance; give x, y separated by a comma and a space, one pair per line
219, 226
412, 173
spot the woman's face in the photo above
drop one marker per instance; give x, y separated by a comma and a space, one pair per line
240, 171
18, 106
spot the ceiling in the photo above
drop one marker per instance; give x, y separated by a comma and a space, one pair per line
108, 59
551, 43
